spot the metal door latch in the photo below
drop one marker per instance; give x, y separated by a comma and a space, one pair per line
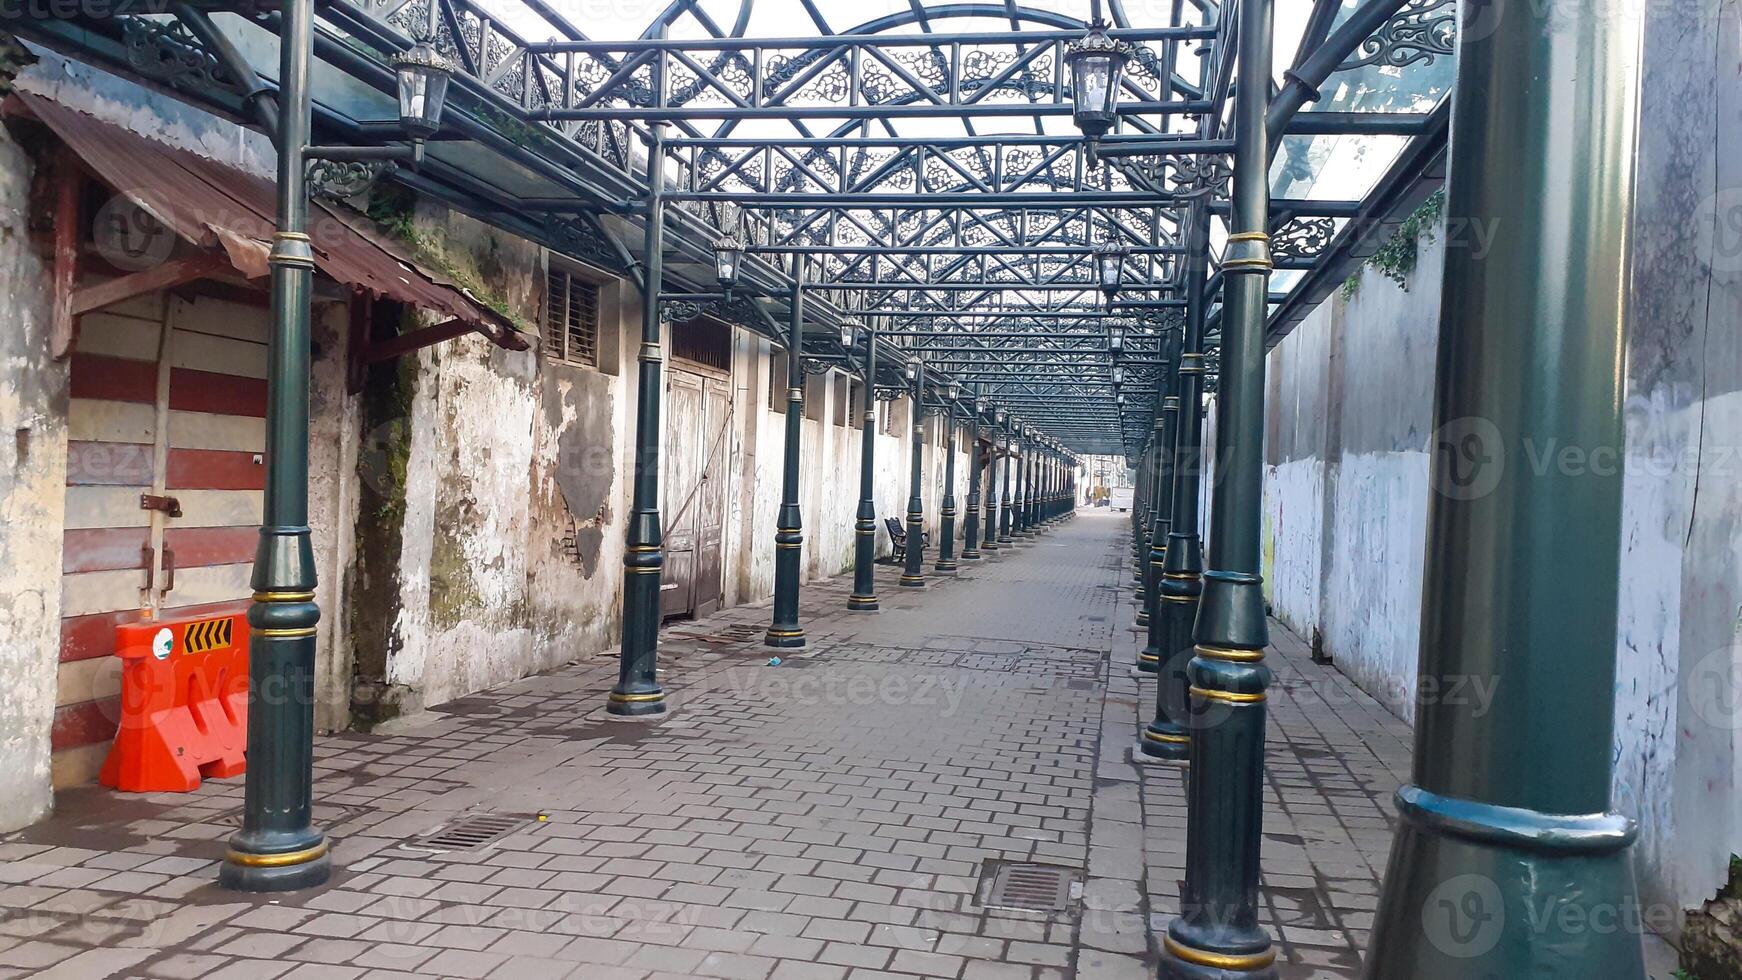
169, 505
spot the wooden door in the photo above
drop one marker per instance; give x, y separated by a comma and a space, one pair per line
711, 502
698, 432
680, 479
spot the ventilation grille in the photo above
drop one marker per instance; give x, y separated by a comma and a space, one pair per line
1028, 887
571, 319
471, 832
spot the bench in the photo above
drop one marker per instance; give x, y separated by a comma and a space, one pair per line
898, 538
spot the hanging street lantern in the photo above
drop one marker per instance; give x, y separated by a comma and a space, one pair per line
1118, 374
911, 370
1097, 63
728, 259
999, 418
849, 327
953, 390
423, 89
1110, 267
1115, 336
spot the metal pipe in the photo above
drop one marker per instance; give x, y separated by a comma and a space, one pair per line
1020, 39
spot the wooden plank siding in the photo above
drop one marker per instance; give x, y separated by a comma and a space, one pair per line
192, 427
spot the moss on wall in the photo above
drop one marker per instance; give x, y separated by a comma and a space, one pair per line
374, 594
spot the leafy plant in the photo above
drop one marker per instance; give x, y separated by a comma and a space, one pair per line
1396, 259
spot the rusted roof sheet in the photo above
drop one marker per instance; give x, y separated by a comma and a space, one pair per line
215, 206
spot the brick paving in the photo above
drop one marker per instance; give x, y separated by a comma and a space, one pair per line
836, 816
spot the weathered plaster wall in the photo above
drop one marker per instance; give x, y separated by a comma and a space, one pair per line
333, 438
1679, 691
33, 449
1349, 411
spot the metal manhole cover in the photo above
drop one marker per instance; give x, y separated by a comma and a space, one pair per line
468, 833
1028, 887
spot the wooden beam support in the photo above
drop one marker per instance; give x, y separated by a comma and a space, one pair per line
403, 344
63, 325
175, 272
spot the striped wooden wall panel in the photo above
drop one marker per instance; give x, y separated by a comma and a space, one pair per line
212, 450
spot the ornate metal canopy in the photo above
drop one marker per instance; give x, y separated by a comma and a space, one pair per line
920, 167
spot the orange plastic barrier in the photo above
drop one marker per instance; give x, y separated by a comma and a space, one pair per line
184, 704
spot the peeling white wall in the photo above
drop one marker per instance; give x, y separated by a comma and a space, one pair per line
33, 451
1349, 410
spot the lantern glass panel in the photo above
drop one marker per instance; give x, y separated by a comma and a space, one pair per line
423, 90
726, 264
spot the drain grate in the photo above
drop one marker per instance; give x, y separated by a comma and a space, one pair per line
734, 633
1028, 887
471, 832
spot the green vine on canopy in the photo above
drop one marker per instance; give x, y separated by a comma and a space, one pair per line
1395, 260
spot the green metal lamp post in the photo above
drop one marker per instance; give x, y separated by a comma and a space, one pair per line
1161, 506
913, 574
1143, 504
1039, 488
1217, 934
784, 630
947, 511
1508, 860
278, 848
1024, 463
864, 597
990, 544
1004, 501
971, 531
637, 692
1181, 583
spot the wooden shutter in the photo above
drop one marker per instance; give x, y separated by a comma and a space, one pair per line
571, 319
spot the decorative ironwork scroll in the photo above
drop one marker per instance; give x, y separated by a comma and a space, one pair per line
1419, 32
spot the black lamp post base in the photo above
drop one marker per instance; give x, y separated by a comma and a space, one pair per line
248, 872
970, 555
1179, 962
913, 581
862, 603
947, 566
784, 638
1148, 662
1165, 743
635, 704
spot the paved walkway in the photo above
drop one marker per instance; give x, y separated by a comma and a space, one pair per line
845, 814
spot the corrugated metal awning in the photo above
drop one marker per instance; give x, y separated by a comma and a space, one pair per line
215, 206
